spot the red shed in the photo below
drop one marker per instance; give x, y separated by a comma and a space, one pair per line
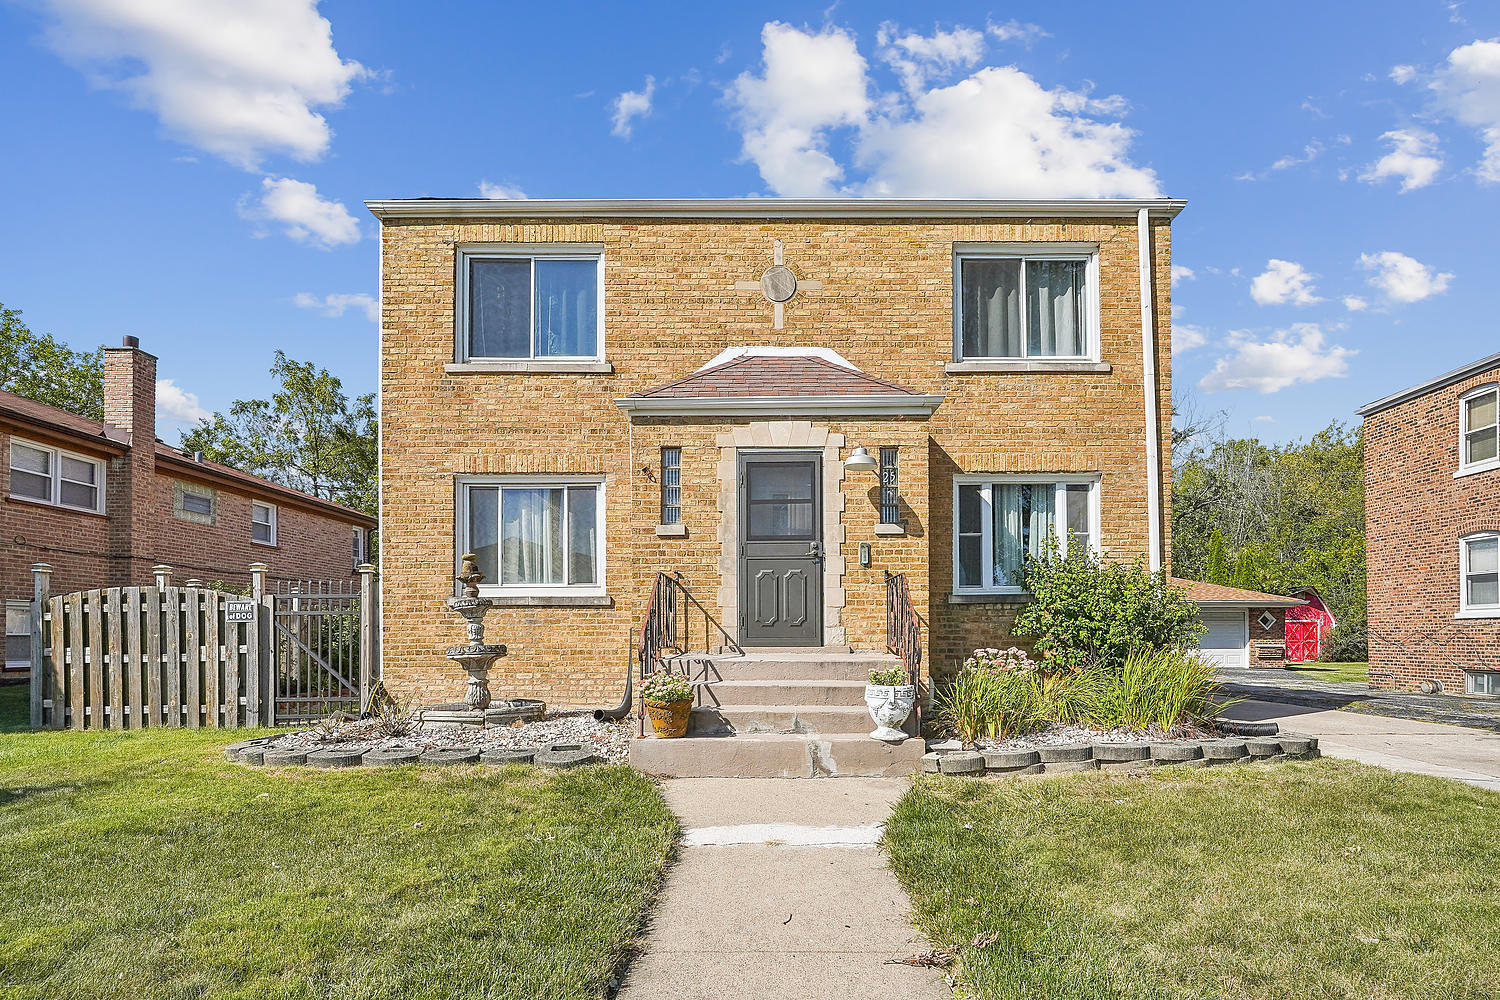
1306, 626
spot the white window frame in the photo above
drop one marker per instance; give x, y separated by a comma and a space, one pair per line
1472, 682
531, 252
265, 506
1060, 481
55, 470
24, 606
542, 481
1465, 609
1088, 252
359, 544
1465, 467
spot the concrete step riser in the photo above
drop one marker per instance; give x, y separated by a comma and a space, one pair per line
784, 719
729, 694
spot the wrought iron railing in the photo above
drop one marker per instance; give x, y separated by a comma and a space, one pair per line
672, 627
903, 635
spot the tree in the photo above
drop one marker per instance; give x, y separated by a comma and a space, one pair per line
1218, 561
1246, 571
39, 367
309, 435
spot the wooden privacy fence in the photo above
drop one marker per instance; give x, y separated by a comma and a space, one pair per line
192, 656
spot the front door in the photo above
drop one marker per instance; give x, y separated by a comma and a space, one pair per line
781, 550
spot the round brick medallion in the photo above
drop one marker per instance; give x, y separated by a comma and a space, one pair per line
778, 283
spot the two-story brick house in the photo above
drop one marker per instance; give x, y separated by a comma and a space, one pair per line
1432, 532
780, 400
103, 502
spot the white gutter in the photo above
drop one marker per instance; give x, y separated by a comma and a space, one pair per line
802, 406
1153, 421
775, 208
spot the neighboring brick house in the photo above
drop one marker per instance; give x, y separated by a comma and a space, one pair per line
104, 502
1432, 532
1245, 628
587, 393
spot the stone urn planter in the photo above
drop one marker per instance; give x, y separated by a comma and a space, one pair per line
890, 702
668, 699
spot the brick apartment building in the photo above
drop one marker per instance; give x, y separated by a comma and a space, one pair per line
104, 502
779, 399
1432, 532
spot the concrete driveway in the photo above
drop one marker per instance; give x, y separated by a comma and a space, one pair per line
1444, 751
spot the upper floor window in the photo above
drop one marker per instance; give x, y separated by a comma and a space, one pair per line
1479, 569
50, 475
1024, 304
1479, 422
519, 305
359, 546
262, 523
535, 534
1002, 520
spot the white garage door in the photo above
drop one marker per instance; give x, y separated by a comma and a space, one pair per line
1227, 638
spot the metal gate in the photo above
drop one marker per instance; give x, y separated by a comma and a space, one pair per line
316, 632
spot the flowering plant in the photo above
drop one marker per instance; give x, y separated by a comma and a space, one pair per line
665, 688
1001, 661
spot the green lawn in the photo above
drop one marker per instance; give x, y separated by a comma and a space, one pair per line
1352, 673
1322, 879
145, 865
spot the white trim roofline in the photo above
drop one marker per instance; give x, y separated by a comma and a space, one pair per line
1422, 388
1285, 602
776, 208
882, 405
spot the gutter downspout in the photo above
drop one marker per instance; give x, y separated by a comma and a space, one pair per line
1153, 422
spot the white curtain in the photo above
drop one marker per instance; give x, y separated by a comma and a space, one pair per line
1025, 516
531, 548
992, 308
1055, 291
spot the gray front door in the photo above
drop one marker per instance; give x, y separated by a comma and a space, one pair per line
781, 550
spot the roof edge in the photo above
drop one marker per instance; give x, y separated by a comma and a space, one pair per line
1431, 385
770, 208
244, 481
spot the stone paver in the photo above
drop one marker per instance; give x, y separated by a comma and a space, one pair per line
778, 893
1470, 755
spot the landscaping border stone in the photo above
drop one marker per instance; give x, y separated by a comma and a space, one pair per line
447, 757
390, 756
1011, 760
498, 756
962, 762
334, 757
947, 758
284, 758
1225, 751
1066, 754
1115, 753
1263, 748
565, 755
1177, 753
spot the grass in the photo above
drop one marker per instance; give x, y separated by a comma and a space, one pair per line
1349, 673
1320, 880
145, 865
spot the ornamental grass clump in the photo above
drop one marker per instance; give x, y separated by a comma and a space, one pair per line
1159, 691
997, 694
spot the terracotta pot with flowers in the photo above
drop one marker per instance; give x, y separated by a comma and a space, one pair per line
669, 703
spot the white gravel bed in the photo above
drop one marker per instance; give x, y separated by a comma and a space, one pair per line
610, 740
1063, 735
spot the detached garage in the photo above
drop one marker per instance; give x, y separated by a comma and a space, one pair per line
1246, 628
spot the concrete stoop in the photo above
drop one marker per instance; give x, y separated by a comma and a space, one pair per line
771, 713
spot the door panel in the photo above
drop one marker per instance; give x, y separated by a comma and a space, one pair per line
1225, 641
781, 552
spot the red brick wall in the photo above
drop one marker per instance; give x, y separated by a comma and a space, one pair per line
1268, 645
1415, 514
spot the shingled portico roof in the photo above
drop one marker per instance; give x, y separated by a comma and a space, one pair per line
791, 381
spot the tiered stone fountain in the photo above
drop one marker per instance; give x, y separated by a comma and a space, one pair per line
476, 657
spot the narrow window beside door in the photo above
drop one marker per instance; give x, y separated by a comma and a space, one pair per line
890, 495
671, 486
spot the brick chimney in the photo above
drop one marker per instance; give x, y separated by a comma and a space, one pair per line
130, 405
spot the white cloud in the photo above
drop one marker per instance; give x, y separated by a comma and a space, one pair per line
236, 78
1401, 278
1015, 31
1310, 152
1403, 73
1186, 337
1355, 303
995, 133
335, 304
1182, 273
1298, 354
507, 192
630, 105
174, 403
917, 58
1468, 88
304, 215
1281, 282
1414, 158
1264, 419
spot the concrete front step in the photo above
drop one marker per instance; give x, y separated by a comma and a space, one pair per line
752, 719
800, 693
776, 755
773, 665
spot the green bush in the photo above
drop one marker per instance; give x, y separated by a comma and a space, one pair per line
1085, 609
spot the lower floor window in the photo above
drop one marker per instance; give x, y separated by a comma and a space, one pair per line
1481, 572
1482, 682
1002, 521
535, 533
17, 635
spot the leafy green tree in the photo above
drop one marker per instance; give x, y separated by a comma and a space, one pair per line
309, 435
39, 367
1246, 571
1218, 560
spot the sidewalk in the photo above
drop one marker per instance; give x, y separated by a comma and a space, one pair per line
779, 893
1290, 688
1469, 755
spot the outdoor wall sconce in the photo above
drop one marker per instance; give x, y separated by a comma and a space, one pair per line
860, 460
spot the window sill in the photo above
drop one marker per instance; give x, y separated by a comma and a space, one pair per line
550, 600
1478, 613
1476, 469
671, 531
56, 506
1012, 597
890, 529
264, 545
530, 367
1024, 367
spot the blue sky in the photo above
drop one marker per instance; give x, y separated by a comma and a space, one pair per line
192, 172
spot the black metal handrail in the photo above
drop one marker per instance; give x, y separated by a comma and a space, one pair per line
903, 635
672, 627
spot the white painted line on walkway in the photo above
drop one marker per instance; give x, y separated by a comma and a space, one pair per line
783, 834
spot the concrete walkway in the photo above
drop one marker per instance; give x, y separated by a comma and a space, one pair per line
1470, 755
779, 893
1293, 688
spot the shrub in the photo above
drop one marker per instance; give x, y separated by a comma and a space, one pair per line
1085, 609
666, 688
894, 677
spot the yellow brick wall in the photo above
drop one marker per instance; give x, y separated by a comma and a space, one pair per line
670, 305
